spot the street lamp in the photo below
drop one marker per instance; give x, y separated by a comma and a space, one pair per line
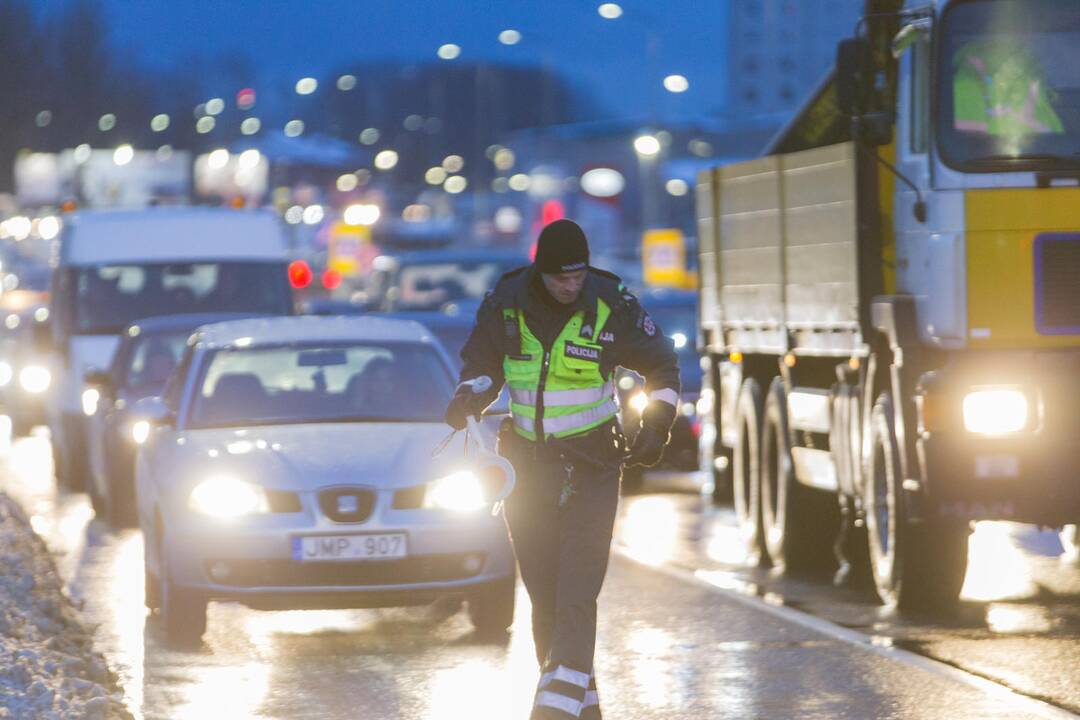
676, 83
449, 51
610, 11
510, 37
646, 145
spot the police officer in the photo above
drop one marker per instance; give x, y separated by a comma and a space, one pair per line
555, 332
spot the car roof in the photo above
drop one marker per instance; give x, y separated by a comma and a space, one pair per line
459, 255
310, 328
190, 321
171, 234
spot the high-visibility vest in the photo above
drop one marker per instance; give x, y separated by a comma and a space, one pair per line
1000, 90
564, 387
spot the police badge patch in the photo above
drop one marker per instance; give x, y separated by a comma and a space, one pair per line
648, 325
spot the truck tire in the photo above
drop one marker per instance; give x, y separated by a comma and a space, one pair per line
800, 525
746, 472
916, 567
715, 456
491, 607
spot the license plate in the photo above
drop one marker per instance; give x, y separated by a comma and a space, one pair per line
349, 547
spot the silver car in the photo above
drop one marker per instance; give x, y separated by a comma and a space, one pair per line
291, 464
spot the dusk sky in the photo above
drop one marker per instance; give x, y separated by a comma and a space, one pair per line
288, 39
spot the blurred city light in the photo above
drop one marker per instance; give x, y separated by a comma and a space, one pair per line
205, 124
361, 214
500, 185
19, 227
504, 158
43, 118
347, 182
82, 153
123, 155
294, 128
386, 160
346, 82
245, 99
159, 122
435, 176
313, 214
306, 86
218, 159
250, 125
453, 163
455, 184
363, 175
215, 106
369, 136
676, 83
610, 11
510, 37
413, 122
106, 122
164, 153
508, 219
677, 187
249, 159
416, 213
294, 215
300, 275
701, 148
449, 51
48, 227
603, 182
332, 279
646, 145
519, 182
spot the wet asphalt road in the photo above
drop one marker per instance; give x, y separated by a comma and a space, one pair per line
681, 634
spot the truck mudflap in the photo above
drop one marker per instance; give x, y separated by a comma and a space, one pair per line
1030, 475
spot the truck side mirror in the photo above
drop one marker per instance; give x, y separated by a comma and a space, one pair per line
854, 77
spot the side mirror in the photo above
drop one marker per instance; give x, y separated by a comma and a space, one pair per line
854, 76
910, 34
154, 411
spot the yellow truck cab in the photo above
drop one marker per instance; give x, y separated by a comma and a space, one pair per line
890, 299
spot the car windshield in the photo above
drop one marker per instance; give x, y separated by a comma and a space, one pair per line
322, 383
429, 286
108, 298
679, 322
1010, 90
151, 360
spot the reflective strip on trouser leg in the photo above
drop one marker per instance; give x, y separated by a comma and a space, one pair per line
569, 423
563, 689
590, 709
563, 398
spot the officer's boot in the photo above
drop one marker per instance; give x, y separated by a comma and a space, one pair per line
591, 709
560, 694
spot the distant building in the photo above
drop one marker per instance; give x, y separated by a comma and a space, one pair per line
780, 49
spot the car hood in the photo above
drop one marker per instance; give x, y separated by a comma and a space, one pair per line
308, 457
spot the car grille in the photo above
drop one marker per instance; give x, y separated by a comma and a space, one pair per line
410, 498
291, 573
347, 504
281, 501
1057, 284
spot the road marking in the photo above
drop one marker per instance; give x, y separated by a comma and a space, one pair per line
744, 593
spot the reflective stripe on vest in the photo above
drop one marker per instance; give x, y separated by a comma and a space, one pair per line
568, 423
562, 398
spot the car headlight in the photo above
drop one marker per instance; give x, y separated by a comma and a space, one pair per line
997, 411
227, 497
90, 398
35, 379
140, 431
461, 491
639, 402
6, 373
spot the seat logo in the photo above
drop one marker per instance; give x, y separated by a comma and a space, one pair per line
348, 504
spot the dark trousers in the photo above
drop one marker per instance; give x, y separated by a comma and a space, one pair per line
561, 515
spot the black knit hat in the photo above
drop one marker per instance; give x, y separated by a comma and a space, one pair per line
562, 247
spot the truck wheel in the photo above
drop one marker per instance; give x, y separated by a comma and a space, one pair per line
746, 472
182, 611
491, 607
715, 457
916, 567
800, 525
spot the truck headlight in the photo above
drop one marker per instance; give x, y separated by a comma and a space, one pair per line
227, 497
995, 411
140, 431
35, 379
459, 492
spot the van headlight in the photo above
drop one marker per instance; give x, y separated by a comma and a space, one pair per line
996, 411
227, 497
458, 492
140, 431
35, 379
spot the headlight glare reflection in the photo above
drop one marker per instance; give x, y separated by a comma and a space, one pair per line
995, 411
227, 497
458, 492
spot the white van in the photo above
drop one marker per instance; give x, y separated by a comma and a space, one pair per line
119, 266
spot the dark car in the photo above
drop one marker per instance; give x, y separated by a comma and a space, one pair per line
25, 375
430, 280
675, 313
145, 359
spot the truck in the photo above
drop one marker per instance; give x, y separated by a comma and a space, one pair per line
890, 300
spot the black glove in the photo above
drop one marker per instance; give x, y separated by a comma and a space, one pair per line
652, 438
464, 403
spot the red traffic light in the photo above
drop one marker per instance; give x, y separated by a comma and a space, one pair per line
245, 99
331, 279
300, 275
